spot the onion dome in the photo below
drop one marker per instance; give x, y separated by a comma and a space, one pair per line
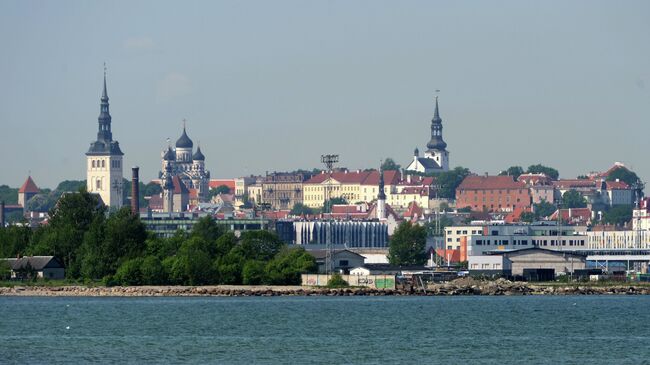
184, 141
198, 156
169, 155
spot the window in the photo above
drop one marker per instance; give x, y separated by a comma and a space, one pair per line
343, 263
98, 184
93, 163
103, 163
479, 242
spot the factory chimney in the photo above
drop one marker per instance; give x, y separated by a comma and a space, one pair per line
135, 191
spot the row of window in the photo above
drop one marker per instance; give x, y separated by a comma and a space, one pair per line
115, 164
505, 242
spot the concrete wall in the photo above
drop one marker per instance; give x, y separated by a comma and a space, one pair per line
369, 281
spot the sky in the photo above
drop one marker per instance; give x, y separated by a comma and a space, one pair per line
272, 85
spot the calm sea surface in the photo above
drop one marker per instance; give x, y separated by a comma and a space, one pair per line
326, 330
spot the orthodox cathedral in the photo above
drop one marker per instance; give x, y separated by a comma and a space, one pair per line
436, 157
187, 167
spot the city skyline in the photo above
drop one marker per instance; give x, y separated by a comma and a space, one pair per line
559, 84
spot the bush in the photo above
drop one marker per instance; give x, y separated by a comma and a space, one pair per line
129, 272
336, 281
253, 272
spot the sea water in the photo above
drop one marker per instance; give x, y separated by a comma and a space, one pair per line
326, 330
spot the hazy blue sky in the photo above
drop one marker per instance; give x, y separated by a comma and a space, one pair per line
272, 85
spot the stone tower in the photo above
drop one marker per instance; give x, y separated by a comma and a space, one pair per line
104, 160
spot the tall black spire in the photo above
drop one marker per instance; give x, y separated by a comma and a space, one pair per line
436, 142
104, 132
382, 194
104, 145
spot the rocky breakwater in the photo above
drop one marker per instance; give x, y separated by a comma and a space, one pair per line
183, 291
470, 286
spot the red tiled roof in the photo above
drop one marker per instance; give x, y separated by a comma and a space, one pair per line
194, 193
29, 186
230, 183
346, 209
534, 179
422, 191
573, 215
280, 214
357, 177
617, 185
391, 177
490, 183
413, 210
615, 167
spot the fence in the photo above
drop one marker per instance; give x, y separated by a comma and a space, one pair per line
369, 281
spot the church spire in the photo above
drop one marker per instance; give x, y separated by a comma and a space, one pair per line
436, 142
436, 113
104, 93
382, 194
104, 120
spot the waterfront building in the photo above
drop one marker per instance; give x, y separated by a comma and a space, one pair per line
342, 260
532, 260
104, 160
492, 194
436, 157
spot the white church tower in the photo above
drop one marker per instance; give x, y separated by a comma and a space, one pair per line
104, 160
436, 157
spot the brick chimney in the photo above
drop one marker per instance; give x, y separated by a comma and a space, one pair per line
135, 190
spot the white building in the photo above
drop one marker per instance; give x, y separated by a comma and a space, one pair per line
104, 160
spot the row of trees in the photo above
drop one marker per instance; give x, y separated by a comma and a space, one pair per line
117, 249
516, 171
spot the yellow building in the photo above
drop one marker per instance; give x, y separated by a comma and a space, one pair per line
353, 186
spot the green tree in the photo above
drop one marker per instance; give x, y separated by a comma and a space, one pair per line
327, 205
448, 181
221, 189
513, 171
69, 220
151, 189
527, 217
208, 229
543, 209
573, 199
193, 264
337, 281
67, 186
548, 171
8, 195
407, 245
300, 209
625, 175
129, 272
253, 272
287, 266
14, 240
153, 272
390, 165
260, 245
618, 215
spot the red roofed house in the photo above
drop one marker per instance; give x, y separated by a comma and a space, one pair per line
540, 186
26, 192
492, 193
413, 212
230, 183
580, 216
353, 186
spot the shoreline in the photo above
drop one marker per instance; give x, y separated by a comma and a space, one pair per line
458, 287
